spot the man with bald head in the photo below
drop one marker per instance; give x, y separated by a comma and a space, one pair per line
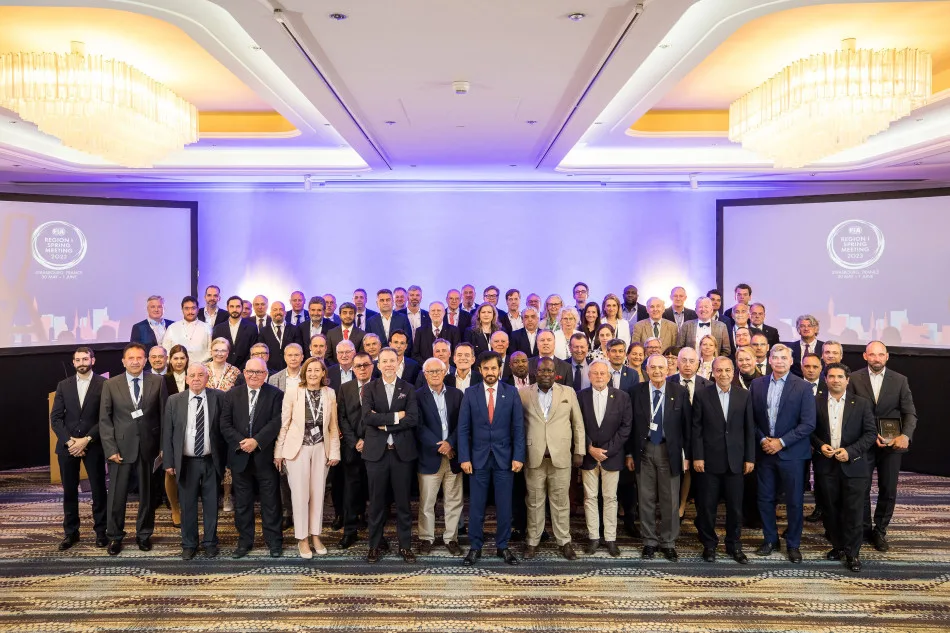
424, 337
678, 313
562, 370
693, 331
278, 335
655, 326
631, 310
260, 316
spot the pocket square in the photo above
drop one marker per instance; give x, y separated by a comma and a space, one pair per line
401, 396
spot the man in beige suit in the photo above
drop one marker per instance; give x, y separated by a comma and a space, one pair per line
656, 326
553, 425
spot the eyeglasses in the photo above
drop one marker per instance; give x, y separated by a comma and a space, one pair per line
255, 372
362, 365
260, 354
434, 372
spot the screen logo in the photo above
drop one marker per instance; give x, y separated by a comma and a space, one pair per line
58, 245
855, 244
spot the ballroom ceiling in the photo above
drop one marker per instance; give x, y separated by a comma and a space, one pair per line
627, 92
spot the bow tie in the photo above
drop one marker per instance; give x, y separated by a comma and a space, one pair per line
703, 325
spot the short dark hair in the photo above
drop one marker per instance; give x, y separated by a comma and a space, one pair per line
317, 299
811, 355
384, 291
395, 289
511, 292
614, 342
234, 298
395, 332
188, 299
714, 291
579, 335
212, 286
841, 366
134, 346
488, 356
463, 344
346, 305
744, 287
672, 350
487, 288
85, 350
580, 283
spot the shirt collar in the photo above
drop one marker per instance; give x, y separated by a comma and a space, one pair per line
603, 391
486, 386
438, 393
831, 398
773, 379
881, 374
723, 393
129, 377
201, 394
87, 379
393, 383
156, 322
660, 389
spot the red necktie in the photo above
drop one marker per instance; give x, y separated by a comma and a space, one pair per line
346, 334
451, 318
491, 404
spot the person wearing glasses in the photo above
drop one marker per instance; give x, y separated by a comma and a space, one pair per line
552, 310
350, 417
222, 376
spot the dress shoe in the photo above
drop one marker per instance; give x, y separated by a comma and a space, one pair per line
766, 549
277, 551
114, 548
407, 554
472, 556
649, 551
318, 547
383, 545
784, 534
592, 546
833, 554
361, 523
240, 552
879, 541
507, 555
453, 548
347, 540
373, 555
567, 551
670, 554
286, 523
102, 541
530, 551
68, 541
145, 544
337, 522
187, 553
709, 555
516, 535
815, 516
632, 530
739, 556
211, 551
854, 564
303, 548
463, 529
612, 548
794, 555
425, 547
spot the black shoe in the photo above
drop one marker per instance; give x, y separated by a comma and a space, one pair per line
453, 547
567, 551
373, 555
425, 547
649, 551
784, 534
187, 553
854, 564
516, 535
545, 537
407, 555
348, 540
383, 546
508, 555
472, 556
592, 546
766, 548
211, 551
794, 555
530, 551
739, 556
102, 541
815, 516
879, 541
286, 523
612, 548
277, 551
114, 548
145, 544
632, 530
833, 554
670, 554
240, 552
337, 522
709, 554
463, 529
68, 541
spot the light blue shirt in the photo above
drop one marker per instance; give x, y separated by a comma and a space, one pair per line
724, 402
439, 398
546, 400
662, 391
774, 398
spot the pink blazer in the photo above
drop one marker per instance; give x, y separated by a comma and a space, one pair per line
293, 413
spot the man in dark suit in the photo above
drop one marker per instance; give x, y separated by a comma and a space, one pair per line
743, 295
261, 319
387, 321
210, 314
361, 314
441, 350
498, 343
511, 319
783, 408
454, 313
491, 436
519, 376
621, 376
693, 331
193, 453
330, 311
739, 318
130, 423
890, 393
278, 335
844, 432
437, 439
723, 440
407, 369
468, 300
608, 421
662, 419
418, 318
316, 324
350, 417
390, 416
526, 339
151, 331
346, 331
424, 337
812, 375
631, 310
678, 313
342, 372
562, 369
757, 324
463, 373
807, 327
250, 423
75, 421
240, 332
687, 363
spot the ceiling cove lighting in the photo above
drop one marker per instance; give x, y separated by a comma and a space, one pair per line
103, 107
830, 102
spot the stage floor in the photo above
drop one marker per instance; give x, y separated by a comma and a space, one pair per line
84, 590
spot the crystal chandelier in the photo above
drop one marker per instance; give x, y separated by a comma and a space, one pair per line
829, 102
103, 107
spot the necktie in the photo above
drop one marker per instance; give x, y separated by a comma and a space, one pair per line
199, 428
491, 404
577, 377
359, 321
451, 318
656, 436
689, 388
362, 392
437, 330
136, 390
814, 389
280, 330
656, 330
298, 319
260, 324
250, 416
762, 368
346, 334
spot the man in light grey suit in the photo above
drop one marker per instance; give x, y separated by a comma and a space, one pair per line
194, 454
655, 326
693, 331
130, 423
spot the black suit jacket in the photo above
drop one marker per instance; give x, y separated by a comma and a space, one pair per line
642, 313
429, 429
171, 384
796, 348
411, 371
220, 317
723, 442
771, 334
614, 429
350, 417
240, 346
677, 424
306, 332
235, 425
563, 372
688, 315
858, 434
464, 319
398, 321
894, 401
68, 419
478, 339
368, 315
426, 319
336, 380
700, 382
519, 343
378, 411
289, 335
142, 333
335, 335
425, 337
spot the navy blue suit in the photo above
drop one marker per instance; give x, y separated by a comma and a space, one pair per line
794, 425
142, 333
429, 430
490, 448
374, 325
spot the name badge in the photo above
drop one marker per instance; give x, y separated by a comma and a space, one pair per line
137, 414
314, 431
653, 426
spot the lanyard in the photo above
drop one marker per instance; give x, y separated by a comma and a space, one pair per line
656, 409
313, 410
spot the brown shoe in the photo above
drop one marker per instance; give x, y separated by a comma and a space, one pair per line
425, 547
407, 555
530, 551
373, 555
568, 552
454, 548
592, 546
612, 548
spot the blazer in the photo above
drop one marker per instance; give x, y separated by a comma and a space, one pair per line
858, 435
378, 411
479, 341
175, 424
688, 336
306, 333
629, 379
410, 371
562, 430
894, 400
335, 335
677, 424
771, 333
423, 340
426, 319
421, 381
241, 345
795, 421
349, 411
132, 437
293, 422
724, 442
503, 438
688, 315
279, 379
171, 385
700, 383
429, 430
220, 316
235, 425
563, 371
68, 419
519, 342
464, 319
289, 334
367, 315
643, 331
398, 321
642, 313
451, 376
142, 333
614, 429
796, 348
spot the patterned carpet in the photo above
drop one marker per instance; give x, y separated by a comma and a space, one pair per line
907, 589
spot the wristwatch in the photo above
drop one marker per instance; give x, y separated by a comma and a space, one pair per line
89, 438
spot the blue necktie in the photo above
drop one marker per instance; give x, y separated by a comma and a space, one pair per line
199, 428
656, 437
135, 390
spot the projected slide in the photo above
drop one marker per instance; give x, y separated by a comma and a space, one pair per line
866, 269
80, 271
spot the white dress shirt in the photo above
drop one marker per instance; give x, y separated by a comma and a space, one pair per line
876, 381
723, 401
516, 322
463, 383
82, 386
600, 404
130, 378
415, 319
191, 428
158, 329
194, 336
835, 416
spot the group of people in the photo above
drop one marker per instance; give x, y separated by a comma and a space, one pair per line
642, 406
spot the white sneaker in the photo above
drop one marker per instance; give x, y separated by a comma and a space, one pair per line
228, 504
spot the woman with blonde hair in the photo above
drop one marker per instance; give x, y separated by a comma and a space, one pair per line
222, 375
708, 348
568, 320
610, 309
308, 444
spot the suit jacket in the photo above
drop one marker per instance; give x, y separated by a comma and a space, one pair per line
556, 435
614, 429
293, 423
503, 439
698, 383
378, 411
289, 334
399, 321
425, 337
629, 379
642, 313
464, 319
334, 337
411, 370
175, 424
858, 435
429, 430
241, 345
796, 348
509, 379
130, 437
519, 342
368, 315
220, 316
476, 378
68, 419
688, 315
894, 400
306, 332
350, 418
279, 379
771, 333
142, 333
643, 330
479, 341
426, 319
563, 371
688, 336
795, 421
677, 424
723, 442
171, 385
235, 425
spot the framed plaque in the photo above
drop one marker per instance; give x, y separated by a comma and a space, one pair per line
889, 428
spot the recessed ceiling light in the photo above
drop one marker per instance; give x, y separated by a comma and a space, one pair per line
412, 165
915, 162
598, 122
665, 45
389, 122
339, 17
576, 17
531, 122
255, 47
459, 126
920, 119
512, 165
